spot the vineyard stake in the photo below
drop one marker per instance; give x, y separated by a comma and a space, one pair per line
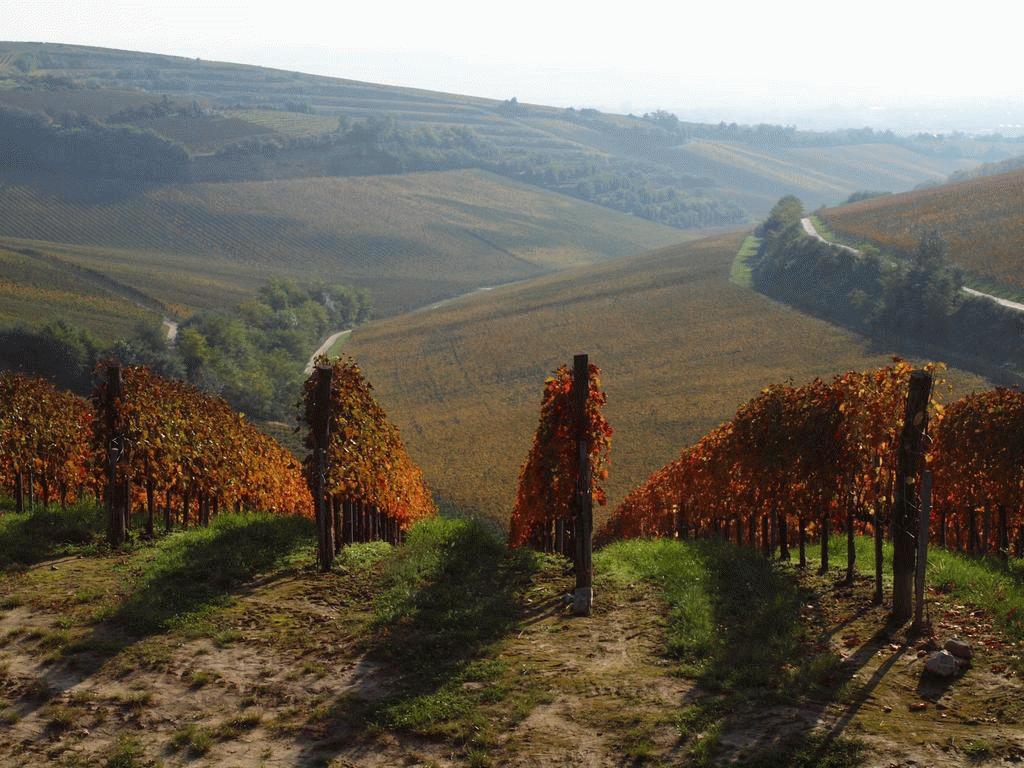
321, 428
584, 595
116, 530
911, 453
923, 526
878, 534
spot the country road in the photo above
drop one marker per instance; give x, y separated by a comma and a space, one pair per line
322, 349
809, 228
329, 341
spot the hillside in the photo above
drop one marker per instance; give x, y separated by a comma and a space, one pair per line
410, 239
680, 348
725, 171
979, 218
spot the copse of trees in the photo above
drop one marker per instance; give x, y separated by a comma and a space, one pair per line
252, 355
913, 297
78, 146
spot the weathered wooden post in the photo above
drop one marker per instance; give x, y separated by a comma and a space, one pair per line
116, 529
905, 518
878, 537
584, 596
825, 522
923, 526
851, 545
321, 429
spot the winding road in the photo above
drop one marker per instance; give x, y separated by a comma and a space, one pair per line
809, 228
322, 349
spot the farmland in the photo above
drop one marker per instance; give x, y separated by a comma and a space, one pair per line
245, 102
679, 346
979, 218
410, 239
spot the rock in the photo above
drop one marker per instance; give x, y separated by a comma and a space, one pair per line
959, 648
941, 663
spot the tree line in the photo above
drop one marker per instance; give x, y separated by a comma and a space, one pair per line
914, 297
252, 355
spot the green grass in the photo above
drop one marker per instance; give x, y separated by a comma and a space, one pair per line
983, 582
739, 272
733, 618
31, 537
205, 565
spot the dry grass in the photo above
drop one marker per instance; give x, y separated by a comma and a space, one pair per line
680, 346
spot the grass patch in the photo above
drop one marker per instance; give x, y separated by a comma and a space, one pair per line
733, 616
450, 597
127, 753
739, 272
31, 537
987, 583
193, 740
192, 572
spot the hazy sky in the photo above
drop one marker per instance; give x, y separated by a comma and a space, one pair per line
713, 55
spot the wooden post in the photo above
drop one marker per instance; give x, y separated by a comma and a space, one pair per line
802, 539
825, 522
321, 429
150, 507
19, 492
879, 535
986, 528
584, 596
923, 525
851, 545
167, 511
783, 536
336, 522
116, 529
347, 521
905, 508
1004, 534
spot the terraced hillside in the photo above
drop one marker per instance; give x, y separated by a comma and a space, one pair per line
411, 239
680, 347
982, 220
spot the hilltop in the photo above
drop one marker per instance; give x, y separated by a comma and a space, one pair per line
980, 219
680, 347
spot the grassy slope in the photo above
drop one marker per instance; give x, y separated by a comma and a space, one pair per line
698, 653
411, 239
981, 219
680, 346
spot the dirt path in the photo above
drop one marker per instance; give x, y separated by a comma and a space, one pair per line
810, 229
323, 348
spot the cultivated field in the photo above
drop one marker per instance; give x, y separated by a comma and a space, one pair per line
746, 174
410, 239
981, 220
680, 348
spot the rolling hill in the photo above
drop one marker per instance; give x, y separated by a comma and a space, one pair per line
411, 239
679, 345
718, 163
982, 220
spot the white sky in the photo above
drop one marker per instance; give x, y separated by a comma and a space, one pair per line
632, 55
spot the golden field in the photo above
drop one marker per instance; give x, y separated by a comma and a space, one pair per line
679, 345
